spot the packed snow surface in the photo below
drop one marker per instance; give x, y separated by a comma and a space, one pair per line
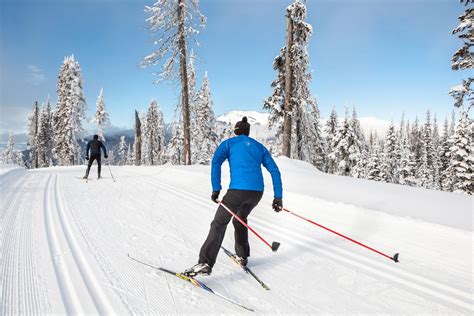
64, 245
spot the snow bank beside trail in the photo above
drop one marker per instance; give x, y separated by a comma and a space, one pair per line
5, 168
445, 208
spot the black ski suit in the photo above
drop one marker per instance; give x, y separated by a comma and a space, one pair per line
94, 146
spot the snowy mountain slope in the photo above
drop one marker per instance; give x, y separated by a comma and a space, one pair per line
65, 244
260, 119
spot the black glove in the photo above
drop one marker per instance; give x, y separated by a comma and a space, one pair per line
106, 156
277, 204
215, 196
87, 157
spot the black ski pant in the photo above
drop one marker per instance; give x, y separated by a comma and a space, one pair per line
91, 161
241, 202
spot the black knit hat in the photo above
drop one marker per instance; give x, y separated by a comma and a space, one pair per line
242, 127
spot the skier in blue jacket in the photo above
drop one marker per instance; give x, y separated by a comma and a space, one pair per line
245, 156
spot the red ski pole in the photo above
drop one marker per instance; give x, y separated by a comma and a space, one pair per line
274, 246
394, 258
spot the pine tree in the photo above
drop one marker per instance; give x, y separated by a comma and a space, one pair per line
436, 163
415, 141
101, 117
463, 58
44, 139
10, 153
425, 174
33, 127
69, 114
122, 151
461, 156
176, 22
391, 161
130, 156
313, 146
374, 170
346, 147
137, 144
206, 140
155, 134
291, 103
444, 146
330, 131
406, 165
174, 151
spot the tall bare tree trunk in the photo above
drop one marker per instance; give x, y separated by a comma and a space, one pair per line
288, 90
184, 83
138, 140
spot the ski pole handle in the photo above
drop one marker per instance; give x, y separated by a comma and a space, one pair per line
274, 246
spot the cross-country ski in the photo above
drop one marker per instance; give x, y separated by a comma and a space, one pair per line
191, 280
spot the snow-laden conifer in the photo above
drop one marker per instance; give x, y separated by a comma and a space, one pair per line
33, 127
330, 130
155, 134
101, 118
206, 139
461, 156
69, 113
44, 139
175, 22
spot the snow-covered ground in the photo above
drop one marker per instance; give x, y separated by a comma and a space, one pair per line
64, 245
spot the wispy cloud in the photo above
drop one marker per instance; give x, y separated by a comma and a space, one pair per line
35, 75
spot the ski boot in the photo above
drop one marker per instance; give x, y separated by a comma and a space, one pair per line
198, 269
242, 261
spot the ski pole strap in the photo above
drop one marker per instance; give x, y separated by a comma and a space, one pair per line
274, 246
394, 258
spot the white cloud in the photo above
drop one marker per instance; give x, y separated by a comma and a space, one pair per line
35, 75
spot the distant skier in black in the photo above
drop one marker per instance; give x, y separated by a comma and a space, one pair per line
94, 145
246, 157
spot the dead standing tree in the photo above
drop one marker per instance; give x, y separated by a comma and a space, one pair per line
175, 22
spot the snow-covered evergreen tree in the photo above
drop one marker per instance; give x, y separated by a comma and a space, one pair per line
122, 151
44, 139
444, 145
155, 134
346, 148
313, 146
101, 118
10, 152
406, 164
130, 156
461, 156
374, 170
205, 138
176, 22
33, 127
358, 131
69, 114
391, 159
174, 151
425, 173
436, 163
415, 140
463, 58
330, 131
291, 104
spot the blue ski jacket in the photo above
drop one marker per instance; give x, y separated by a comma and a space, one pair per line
246, 156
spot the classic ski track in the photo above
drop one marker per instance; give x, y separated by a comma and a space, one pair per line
456, 296
118, 280
92, 284
13, 219
66, 286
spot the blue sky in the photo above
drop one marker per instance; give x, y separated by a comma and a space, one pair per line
383, 56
